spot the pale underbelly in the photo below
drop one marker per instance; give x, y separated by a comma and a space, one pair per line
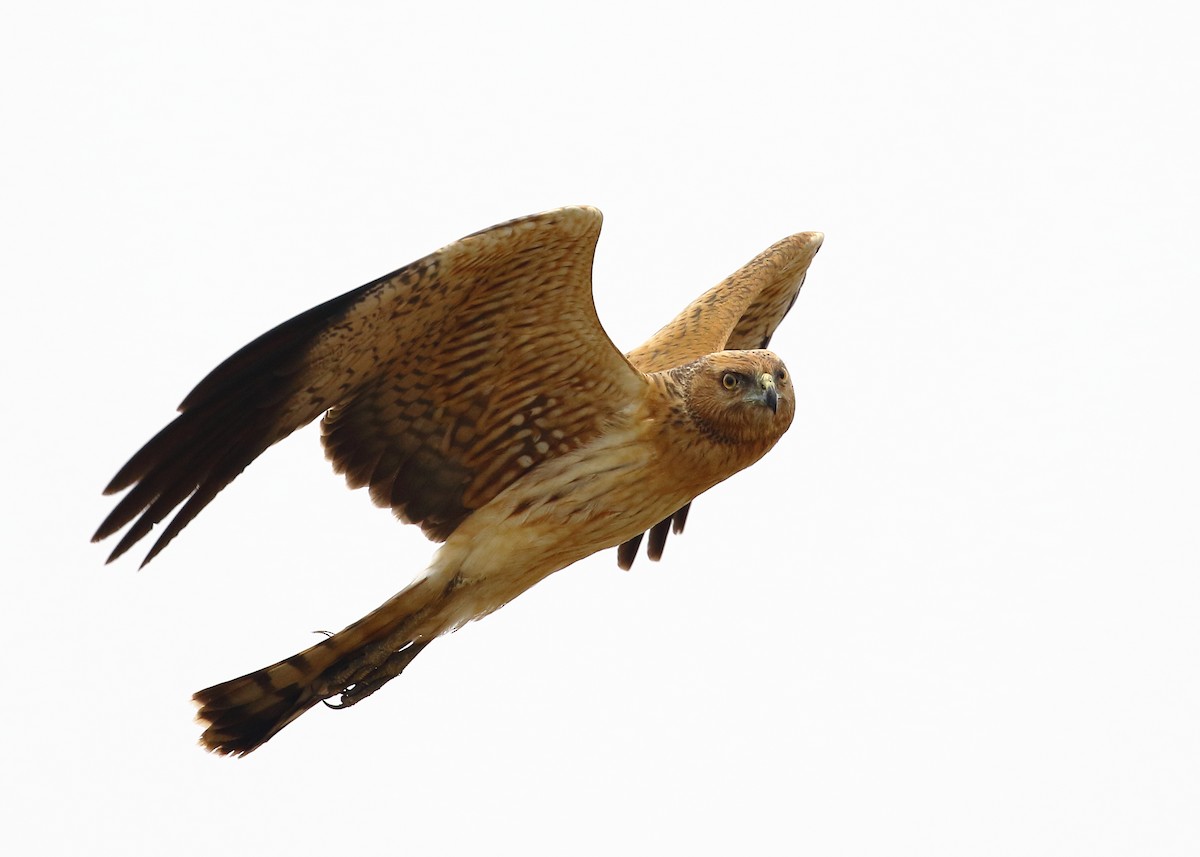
528, 532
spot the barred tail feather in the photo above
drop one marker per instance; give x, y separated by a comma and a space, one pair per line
242, 714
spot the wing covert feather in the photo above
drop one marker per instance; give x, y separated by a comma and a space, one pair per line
438, 436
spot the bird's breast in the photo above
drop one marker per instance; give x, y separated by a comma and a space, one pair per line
595, 497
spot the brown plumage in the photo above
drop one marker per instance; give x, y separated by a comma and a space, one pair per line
475, 393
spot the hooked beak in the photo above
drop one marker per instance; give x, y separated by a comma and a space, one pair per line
769, 395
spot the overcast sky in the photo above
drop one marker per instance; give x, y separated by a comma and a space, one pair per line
953, 612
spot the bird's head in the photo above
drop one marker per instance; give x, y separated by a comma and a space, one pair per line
742, 397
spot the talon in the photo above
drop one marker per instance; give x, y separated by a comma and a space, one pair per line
366, 683
338, 705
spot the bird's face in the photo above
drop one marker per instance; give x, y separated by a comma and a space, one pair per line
743, 396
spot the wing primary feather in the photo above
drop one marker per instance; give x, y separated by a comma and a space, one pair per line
164, 475
227, 420
224, 472
658, 539
627, 552
277, 350
679, 519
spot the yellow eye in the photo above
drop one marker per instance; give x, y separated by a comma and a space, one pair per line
729, 381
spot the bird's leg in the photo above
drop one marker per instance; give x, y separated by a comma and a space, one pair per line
376, 676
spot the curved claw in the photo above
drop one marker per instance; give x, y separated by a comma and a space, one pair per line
377, 677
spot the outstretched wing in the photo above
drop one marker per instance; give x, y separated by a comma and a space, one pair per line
740, 312
445, 381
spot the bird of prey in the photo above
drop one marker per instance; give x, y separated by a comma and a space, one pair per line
475, 393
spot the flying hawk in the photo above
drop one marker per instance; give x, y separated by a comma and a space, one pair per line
475, 393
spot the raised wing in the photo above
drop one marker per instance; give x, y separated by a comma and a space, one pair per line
445, 381
740, 312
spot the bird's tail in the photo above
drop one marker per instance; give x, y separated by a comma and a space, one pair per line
243, 713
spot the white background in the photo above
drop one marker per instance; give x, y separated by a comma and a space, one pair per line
954, 612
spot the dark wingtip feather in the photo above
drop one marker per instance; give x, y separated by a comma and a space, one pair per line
276, 349
627, 552
157, 547
658, 539
680, 518
227, 421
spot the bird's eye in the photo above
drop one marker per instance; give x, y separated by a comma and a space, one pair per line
781, 375
729, 381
